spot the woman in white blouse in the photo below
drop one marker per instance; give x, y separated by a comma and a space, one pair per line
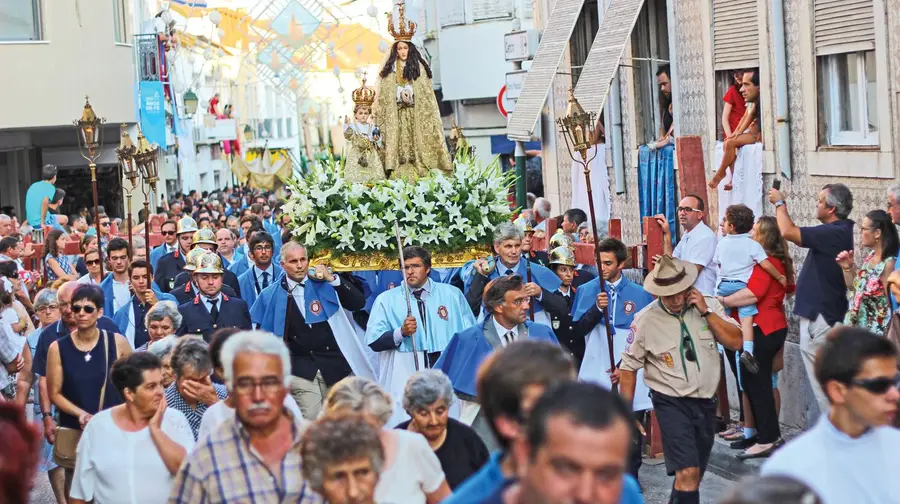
129, 453
412, 473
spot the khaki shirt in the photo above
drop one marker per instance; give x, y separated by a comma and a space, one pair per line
655, 342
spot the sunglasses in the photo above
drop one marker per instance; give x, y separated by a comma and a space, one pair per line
87, 309
690, 354
92, 263
878, 385
168, 233
104, 223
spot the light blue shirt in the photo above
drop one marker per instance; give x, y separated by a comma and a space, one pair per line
34, 200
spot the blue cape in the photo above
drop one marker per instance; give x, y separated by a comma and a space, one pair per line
540, 275
626, 291
108, 296
467, 350
248, 290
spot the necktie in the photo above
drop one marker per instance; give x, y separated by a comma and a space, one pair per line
213, 309
265, 279
509, 337
418, 295
509, 272
613, 296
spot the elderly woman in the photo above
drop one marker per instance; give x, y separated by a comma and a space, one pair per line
193, 391
427, 400
163, 349
343, 458
162, 320
412, 472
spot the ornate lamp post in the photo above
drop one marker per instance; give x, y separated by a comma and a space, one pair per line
577, 127
126, 154
90, 143
190, 103
147, 160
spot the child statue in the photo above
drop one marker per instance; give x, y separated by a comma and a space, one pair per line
406, 109
363, 163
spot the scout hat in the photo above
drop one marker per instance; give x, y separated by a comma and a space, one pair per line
561, 239
190, 260
562, 255
186, 225
670, 276
204, 235
210, 262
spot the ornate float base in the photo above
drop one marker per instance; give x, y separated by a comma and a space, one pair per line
379, 261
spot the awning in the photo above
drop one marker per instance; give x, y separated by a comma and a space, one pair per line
606, 51
554, 42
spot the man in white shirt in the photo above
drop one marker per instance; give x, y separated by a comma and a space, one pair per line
263, 272
851, 454
697, 245
116, 291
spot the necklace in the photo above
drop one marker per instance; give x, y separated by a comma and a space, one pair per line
87, 353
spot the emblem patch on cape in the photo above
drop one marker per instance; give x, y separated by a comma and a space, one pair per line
315, 307
443, 313
670, 362
629, 307
391, 285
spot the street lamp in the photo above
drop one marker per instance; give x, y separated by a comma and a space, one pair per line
248, 133
147, 159
190, 103
127, 162
577, 127
90, 144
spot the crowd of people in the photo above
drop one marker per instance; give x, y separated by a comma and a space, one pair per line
226, 367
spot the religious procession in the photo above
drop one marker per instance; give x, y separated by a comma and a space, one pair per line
455, 251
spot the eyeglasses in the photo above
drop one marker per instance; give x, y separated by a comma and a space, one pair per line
262, 248
690, 353
92, 263
87, 309
687, 209
47, 308
168, 233
270, 385
878, 385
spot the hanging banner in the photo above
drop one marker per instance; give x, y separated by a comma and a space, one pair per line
153, 114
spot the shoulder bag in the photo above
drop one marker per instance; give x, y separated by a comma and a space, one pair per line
65, 447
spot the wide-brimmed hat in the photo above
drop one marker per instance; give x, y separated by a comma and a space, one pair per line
670, 276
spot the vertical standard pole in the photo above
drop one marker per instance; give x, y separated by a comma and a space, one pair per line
590, 195
93, 168
128, 198
521, 199
147, 224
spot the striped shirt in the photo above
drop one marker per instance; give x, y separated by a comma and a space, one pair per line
225, 468
194, 415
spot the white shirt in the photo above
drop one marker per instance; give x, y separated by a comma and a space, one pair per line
121, 294
735, 257
270, 276
426, 291
699, 247
414, 471
502, 332
86, 279
219, 412
208, 302
118, 467
841, 469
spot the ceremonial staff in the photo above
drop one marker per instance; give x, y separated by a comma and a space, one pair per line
528, 274
577, 128
406, 291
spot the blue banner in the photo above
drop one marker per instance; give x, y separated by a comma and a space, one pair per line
153, 112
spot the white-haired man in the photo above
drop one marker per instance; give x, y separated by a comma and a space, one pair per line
237, 455
541, 213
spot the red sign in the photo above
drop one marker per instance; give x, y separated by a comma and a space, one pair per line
500, 98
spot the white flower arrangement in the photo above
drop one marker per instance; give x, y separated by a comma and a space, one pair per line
445, 213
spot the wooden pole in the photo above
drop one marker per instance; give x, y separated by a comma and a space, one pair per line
93, 167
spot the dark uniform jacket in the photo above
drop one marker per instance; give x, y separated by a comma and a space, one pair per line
538, 257
229, 279
312, 346
185, 292
168, 267
571, 335
195, 318
582, 277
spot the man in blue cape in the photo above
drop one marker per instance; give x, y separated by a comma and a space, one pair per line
169, 245
310, 314
435, 312
130, 318
506, 302
508, 246
262, 271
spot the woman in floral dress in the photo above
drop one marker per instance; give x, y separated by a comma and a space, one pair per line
869, 306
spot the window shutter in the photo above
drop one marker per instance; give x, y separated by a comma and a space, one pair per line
843, 26
735, 34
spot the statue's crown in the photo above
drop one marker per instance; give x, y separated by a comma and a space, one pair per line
404, 30
364, 95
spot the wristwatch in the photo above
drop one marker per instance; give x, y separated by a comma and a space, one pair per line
779, 203
707, 313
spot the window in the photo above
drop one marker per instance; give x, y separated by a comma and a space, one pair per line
120, 18
583, 37
650, 51
20, 20
849, 114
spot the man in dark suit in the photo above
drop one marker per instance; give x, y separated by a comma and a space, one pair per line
206, 239
559, 306
186, 291
211, 309
171, 264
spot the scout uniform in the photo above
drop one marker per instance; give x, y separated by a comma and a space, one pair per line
681, 367
204, 314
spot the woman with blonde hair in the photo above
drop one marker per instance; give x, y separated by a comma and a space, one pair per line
412, 472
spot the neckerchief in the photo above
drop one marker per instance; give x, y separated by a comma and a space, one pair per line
685, 335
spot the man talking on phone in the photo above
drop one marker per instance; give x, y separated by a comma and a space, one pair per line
674, 341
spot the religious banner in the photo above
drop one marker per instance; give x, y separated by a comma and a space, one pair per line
153, 113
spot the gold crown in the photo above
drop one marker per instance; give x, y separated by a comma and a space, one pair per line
363, 95
407, 28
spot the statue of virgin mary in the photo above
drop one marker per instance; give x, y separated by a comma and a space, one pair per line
406, 110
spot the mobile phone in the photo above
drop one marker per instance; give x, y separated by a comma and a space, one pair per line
776, 184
